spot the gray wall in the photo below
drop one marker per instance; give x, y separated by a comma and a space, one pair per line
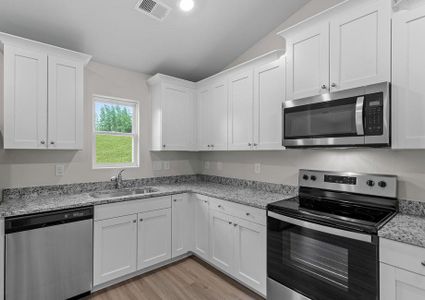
283, 166
37, 167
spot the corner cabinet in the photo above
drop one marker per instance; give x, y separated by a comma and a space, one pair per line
43, 95
402, 271
345, 47
408, 89
173, 114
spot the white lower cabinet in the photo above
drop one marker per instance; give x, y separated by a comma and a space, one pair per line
130, 237
201, 226
399, 284
238, 247
182, 224
402, 271
115, 244
221, 241
154, 238
250, 254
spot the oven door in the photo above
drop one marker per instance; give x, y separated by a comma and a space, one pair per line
311, 261
324, 123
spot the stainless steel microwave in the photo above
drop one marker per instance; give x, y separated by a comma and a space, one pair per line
353, 118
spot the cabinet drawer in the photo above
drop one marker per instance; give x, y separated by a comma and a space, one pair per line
113, 210
402, 255
241, 211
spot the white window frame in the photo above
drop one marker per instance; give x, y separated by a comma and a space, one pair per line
134, 134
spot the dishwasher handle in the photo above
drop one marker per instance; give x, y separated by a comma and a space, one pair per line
40, 220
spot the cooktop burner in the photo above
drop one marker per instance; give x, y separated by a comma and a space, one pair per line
346, 200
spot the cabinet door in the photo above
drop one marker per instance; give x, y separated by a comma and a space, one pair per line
241, 106
269, 93
115, 244
178, 110
308, 62
222, 241
154, 237
250, 254
201, 227
66, 101
408, 89
218, 111
25, 99
204, 118
399, 284
182, 224
361, 46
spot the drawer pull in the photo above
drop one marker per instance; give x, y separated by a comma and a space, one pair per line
205, 201
235, 224
141, 220
248, 214
134, 221
423, 263
230, 223
175, 200
219, 206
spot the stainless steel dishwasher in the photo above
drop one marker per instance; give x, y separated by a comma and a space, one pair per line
49, 255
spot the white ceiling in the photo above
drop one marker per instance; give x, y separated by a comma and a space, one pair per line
191, 46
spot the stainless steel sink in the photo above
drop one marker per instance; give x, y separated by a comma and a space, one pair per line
123, 192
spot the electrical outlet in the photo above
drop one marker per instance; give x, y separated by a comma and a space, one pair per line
206, 165
59, 170
257, 168
166, 165
219, 166
157, 165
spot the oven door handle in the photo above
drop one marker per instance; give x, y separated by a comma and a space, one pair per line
317, 227
359, 115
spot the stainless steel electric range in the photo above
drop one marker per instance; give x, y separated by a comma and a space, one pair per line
323, 244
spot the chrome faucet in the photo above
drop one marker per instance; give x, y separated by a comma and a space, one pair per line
118, 179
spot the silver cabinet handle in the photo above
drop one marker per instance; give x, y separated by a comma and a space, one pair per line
205, 201
333, 84
141, 220
175, 200
163, 146
212, 146
230, 223
52, 143
255, 144
247, 214
324, 87
235, 224
134, 221
42, 142
209, 146
249, 144
423, 263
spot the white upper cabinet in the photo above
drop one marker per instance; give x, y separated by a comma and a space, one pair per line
342, 48
218, 120
66, 104
43, 95
269, 93
25, 99
360, 46
204, 118
241, 105
408, 88
308, 62
173, 114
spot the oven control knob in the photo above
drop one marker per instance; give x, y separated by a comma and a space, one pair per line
305, 177
370, 183
313, 177
382, 184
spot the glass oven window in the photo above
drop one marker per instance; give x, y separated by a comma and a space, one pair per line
322, 260
327, 119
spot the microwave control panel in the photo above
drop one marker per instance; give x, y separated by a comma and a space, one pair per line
374, 114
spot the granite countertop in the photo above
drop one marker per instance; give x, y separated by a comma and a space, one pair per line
243, 195
405, 228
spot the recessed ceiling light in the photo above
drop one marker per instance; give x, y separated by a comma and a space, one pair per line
186, 5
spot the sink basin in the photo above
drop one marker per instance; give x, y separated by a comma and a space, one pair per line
123, 192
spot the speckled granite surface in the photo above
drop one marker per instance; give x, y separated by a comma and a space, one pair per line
33, 200
408, 226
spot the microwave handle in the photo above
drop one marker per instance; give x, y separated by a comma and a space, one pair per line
359, 115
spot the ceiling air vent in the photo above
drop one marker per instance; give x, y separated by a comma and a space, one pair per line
154, 9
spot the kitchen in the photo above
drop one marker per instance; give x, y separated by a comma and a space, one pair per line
294, 135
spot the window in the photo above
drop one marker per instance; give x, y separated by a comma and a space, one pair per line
115, 133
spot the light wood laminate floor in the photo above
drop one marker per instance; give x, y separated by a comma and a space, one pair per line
185, 280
